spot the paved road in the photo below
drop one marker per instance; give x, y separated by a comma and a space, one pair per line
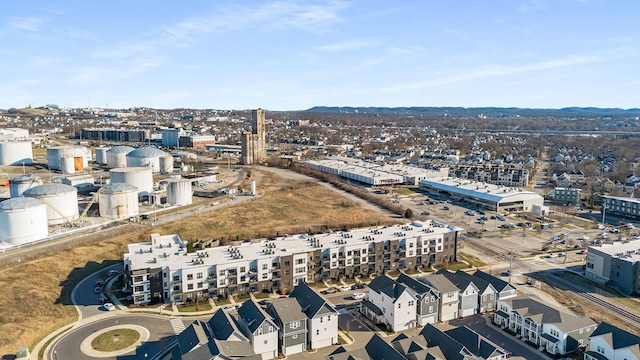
87, 301
360, 333
161, 334
500, 338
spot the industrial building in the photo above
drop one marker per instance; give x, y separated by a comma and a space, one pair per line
253, 143
161, 270
482, 195
621, 206
111, 134
617, 265
14, 134
374, 174
68, 159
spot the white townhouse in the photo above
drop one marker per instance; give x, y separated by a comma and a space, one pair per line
322, 317
394, 301
609, 342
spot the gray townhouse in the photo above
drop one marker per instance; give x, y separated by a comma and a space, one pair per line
504, 289
428, 302
259, 328
292, 322
322, 317
556, 331
487, 294
225, 327
609, 342
467, 294
448, 305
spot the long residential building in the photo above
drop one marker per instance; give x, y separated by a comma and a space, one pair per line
483, 195
492, 174
111, 134
617, 265
162, 270
621, 206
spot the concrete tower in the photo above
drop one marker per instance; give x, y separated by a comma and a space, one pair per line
254, 143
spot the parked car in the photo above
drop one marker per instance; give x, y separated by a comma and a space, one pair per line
358, 296
99, 283
445, 208
108, 306
583, 237
492, 217
601, 227
551, 256
582, 252
113, 272
229, 308
614, 231
481, 212
330, 290
97, 290
426, 213
358, 286
345, 288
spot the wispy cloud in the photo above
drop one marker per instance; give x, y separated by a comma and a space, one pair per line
28, 24
530, 5
348, 45
492, 71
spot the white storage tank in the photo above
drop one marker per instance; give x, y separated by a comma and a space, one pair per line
16, 153
179, 192
68, 164
23, 220
61, 200
80, 154
118, 201
117, 156
19, 184
101, 155
140, 177
156, 159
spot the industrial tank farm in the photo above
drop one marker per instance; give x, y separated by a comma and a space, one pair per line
80, 156
16, 153
19, 184
61, 200
158, 160
140, 177
117, 156
23, 220
118, 201
101, 155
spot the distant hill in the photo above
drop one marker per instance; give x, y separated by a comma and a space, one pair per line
488, 111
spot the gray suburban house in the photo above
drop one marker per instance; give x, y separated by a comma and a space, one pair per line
292, 335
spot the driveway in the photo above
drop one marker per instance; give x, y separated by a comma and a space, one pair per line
85, 298
360, 333
500, 338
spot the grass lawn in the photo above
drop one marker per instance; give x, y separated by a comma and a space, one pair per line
203, 306
472, 260
454, 266
319, 285
261, 295
116, 339
341, 341
222, 302
33, 306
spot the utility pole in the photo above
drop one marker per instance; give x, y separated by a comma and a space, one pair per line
510, 264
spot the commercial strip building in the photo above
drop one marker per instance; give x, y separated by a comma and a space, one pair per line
374, 174
617, 265
482, 195
621, 206
162, 271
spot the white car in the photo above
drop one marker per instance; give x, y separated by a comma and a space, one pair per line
229, 308
583, 237
601, 227
344, 288
358, 296
109, 306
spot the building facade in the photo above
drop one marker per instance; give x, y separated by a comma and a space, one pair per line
162, 271
492, 174
621, 206
617, 265
110, 134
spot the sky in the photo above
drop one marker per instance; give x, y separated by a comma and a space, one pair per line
293, 55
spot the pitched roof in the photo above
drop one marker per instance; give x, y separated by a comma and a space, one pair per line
379, 349
480, 283
192, 336
450, 348
392, 288
287, 310
223, 326
440, 283
475, 343
413, 284
310, 301
460, 282
253, 315
371, 306
619, 338
497, 283
541, 313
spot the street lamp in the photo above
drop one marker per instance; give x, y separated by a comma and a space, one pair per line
604, 211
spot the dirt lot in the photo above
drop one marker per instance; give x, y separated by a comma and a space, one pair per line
35, 296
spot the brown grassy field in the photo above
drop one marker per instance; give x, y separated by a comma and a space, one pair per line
34, 295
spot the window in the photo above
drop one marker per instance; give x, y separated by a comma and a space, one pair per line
260, 331
317, 332
295, 325
176, 278
266, 342
399, 305
189, 276
221, 273
221, 281
176, 288
320, 318
138, 288
287, 271
264, 276
328, 317
200, 285
411, 303
287, 263
299, 261
270, 329
138, 278
294, 336
430, 309
189, 286
164, 275
300, 270
264, 266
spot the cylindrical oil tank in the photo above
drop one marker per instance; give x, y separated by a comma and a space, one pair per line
118, 201
140, 177
61, 200
67, 164
166, 164
101, 155
117, 156
253, 187
150, 157
19, 184
179, 192
56, 153
23, 220
16, 153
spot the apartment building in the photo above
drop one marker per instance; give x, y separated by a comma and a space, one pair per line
617, 265
111, 134
492, 174
162, 270
566, 196
621, 206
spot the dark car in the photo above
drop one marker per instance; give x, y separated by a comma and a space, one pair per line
445, 208
358, 286
481, 212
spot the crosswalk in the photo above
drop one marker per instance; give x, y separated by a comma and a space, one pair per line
177, 325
